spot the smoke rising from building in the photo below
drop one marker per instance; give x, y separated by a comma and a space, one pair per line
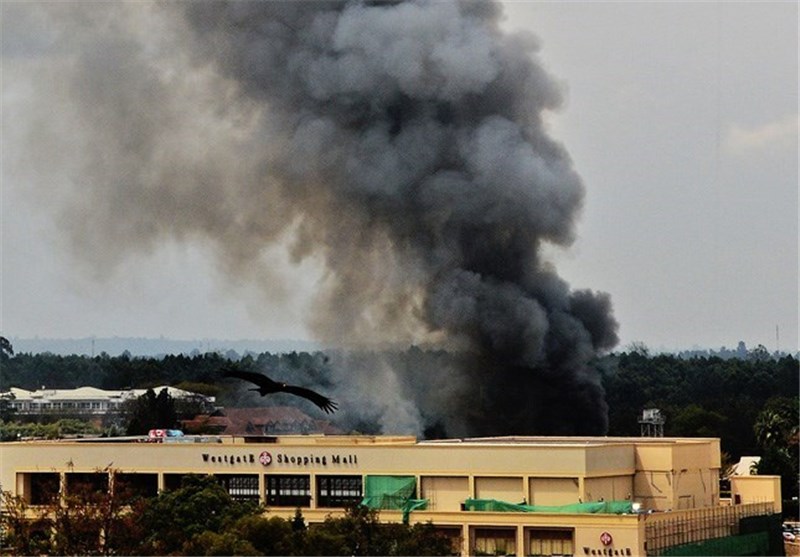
401, 145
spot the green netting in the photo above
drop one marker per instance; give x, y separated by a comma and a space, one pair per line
601, 507
392, 493
388, 492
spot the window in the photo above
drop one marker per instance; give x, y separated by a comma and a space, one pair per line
550, 542
289, 491
454, 535
174, 481
495, 541
130, 485
338, 491
44, 487
82, 484
240, 488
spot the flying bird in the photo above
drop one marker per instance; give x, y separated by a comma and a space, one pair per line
268, 386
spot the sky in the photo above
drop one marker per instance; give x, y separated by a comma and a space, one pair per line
681, 119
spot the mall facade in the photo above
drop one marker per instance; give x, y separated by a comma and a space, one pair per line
491, 496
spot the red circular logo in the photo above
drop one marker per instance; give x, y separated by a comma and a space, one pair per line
265, 458
606, 539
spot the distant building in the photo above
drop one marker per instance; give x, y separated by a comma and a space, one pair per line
84, 400
746, 466
588, 496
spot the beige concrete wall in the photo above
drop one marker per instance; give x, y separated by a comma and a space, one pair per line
757, 489
376, 458
612, 459
677, 474
653, 489
614, 488
653, 456
501, 488
553, 491
444, 493
695, 488
574, 460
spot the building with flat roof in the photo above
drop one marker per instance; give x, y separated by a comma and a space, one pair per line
506, 495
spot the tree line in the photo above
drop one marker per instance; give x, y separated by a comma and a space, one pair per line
704, 396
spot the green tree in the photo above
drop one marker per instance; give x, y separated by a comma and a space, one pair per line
696, 421
777, 423
776, 429
360, 532
11, 430
269, 536
85, 521
151, 411
213, 543
174, 518
419, 539
6, 410
23, 530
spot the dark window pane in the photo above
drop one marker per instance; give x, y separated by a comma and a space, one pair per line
339, 491
240, 487
44, 487
289, 491
83, 483
128, 485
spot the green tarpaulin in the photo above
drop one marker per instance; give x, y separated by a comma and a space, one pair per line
601, 507
392, 493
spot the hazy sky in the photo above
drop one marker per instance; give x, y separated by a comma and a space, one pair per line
681, 118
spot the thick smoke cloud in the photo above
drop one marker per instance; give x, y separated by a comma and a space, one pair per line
400, 144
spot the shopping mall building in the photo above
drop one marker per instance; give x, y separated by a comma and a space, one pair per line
509, 495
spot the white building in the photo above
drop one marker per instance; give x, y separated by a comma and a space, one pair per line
83, 400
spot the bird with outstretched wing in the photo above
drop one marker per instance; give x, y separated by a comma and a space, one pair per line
268, 386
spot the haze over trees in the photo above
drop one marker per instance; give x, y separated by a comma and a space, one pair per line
699, 396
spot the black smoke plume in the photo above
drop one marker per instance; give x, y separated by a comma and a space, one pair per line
399, 145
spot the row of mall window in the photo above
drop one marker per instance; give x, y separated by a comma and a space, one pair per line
283, 490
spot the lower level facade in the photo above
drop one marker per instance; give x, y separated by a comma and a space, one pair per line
491, 496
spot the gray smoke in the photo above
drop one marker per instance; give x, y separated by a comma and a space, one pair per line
401, 145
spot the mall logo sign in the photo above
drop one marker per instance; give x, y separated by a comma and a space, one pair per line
606, 539
266, 459
316, 460
229, 459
